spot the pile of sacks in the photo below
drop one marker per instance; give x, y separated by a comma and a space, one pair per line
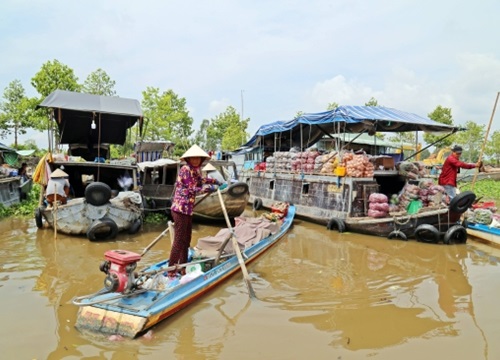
412, 170
358, 165
431, 194
378, 206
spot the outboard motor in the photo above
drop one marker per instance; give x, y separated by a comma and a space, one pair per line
119, 268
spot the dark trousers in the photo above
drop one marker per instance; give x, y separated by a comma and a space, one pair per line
182, 239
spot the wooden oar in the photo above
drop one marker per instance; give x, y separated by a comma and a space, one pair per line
155, 240
236, 247
485, 140
54, 211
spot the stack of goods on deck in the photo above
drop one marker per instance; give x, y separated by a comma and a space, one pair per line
484, 213
378, 205
327, 163
412, 170
426, 193
358, 165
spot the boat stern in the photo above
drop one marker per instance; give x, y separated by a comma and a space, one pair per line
104, 321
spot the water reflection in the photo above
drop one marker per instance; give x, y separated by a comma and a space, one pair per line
319, 292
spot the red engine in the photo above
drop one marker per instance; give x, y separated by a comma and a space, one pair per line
119, 267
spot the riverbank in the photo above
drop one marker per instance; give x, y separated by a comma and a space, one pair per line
485, 190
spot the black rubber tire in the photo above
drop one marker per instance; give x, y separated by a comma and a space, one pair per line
97, 193
336, 223
462, 202
38, 218
237, 190
456, 234
257, 204
397, 234
94, 233
134, 228
427, 233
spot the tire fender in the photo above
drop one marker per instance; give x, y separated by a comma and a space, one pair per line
257, 204
336, 223
38, 218
136, 225
397, 234
97, 193
237, 190
456, 234
427, 233
95, 233
462, 202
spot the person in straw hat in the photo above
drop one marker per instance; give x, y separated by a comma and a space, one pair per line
57, 187
213, 173
189, 183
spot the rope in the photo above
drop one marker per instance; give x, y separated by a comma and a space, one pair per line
403, 223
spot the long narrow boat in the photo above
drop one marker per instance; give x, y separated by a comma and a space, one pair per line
133, 307
484, 233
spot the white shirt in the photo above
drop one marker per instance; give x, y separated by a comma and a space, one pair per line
56, 186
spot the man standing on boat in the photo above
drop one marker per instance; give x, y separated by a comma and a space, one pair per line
451, 167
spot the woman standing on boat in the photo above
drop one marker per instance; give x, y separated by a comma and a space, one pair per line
451, 166
188, 184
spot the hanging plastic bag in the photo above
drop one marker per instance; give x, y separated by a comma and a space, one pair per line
414, 206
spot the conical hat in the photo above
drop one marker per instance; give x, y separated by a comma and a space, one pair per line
58, 174
195, 151
209, 167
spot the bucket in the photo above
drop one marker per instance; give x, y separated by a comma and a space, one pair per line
340, 171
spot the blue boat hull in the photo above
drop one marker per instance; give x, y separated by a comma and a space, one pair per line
131, 315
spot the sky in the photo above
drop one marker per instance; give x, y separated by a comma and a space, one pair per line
267, 59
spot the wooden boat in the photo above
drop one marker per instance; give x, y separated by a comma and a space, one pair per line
158, 183
133, 308
104, 196
12, 188
484, 233
340, 201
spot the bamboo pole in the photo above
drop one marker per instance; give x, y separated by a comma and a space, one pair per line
485, 140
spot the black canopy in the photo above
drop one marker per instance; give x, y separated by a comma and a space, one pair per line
74, 113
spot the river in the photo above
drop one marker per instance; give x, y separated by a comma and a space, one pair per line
320, 295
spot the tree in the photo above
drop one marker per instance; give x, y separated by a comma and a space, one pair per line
52, 76
200, 137
332, 106
443, 116
493, 147
14, 118
99, 83
471, 140
372, 102
166, 118
227, 130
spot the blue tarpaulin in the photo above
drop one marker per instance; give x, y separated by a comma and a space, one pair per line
307, 129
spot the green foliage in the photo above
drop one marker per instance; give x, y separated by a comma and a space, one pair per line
487, 189
26, 208
99, 83
155, 218
443, 116
372, 102
52, 76
493, 147
471, 141
200, 138
14, 111
227, 130
166, 118
332, 106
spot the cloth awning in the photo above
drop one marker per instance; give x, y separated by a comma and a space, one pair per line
75, 112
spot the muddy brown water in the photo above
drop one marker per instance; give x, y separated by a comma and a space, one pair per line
321, 295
